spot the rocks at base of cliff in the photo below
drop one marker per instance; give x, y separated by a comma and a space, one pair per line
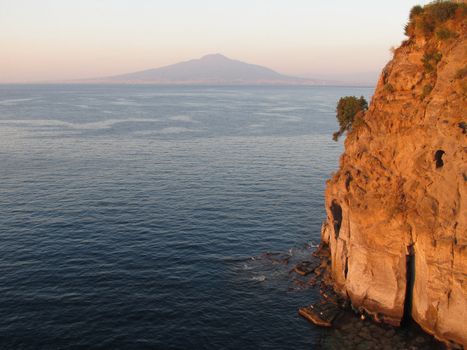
321, 314
324, 312
350, 328
305, 268
350, 332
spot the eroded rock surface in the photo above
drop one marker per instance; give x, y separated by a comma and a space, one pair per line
396, 209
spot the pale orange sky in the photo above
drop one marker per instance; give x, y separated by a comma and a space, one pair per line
65, 39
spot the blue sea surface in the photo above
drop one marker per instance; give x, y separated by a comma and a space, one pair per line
138, 217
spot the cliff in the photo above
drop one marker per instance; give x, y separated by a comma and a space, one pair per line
396, 208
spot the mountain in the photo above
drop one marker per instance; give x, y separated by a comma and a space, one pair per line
209, 69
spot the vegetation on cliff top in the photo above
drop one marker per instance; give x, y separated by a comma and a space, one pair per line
430, 18
349, 110
439, 21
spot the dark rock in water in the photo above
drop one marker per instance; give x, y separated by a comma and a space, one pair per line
276, 257
321, 314
324, 312
305, 267
322, 251
312, 281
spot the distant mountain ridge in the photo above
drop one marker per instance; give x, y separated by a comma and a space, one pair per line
215, 69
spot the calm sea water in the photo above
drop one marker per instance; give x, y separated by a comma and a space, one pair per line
137, 217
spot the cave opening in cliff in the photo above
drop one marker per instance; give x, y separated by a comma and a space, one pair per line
410, 279
439, 158
336, 212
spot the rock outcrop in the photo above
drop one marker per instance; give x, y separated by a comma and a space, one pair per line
397, 207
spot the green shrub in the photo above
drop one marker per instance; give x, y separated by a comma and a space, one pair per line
347, 109
461, 73
416, 11
441, 11
426, 91
462, 10
408, 29
444, 34
430, 60
388, 87
426, 24
336, 135
358, 120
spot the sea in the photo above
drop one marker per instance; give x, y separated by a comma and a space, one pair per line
162, 217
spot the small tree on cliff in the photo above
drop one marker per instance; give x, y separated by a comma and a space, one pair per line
347, 109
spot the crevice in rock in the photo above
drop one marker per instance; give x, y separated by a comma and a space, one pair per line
348, 180
410, 279
439, 158
336, 212
346, 269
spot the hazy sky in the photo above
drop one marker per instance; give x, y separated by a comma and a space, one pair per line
68, 39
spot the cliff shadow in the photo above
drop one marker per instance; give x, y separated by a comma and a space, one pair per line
336, 212
410, 280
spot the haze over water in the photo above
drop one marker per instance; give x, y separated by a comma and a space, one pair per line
130, 214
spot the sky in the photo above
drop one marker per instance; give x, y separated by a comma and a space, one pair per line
44, 40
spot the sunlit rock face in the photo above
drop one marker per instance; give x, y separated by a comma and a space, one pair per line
396, 208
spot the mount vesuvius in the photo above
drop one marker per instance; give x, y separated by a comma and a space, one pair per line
214, 69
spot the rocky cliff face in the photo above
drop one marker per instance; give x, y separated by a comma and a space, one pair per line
397, 207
